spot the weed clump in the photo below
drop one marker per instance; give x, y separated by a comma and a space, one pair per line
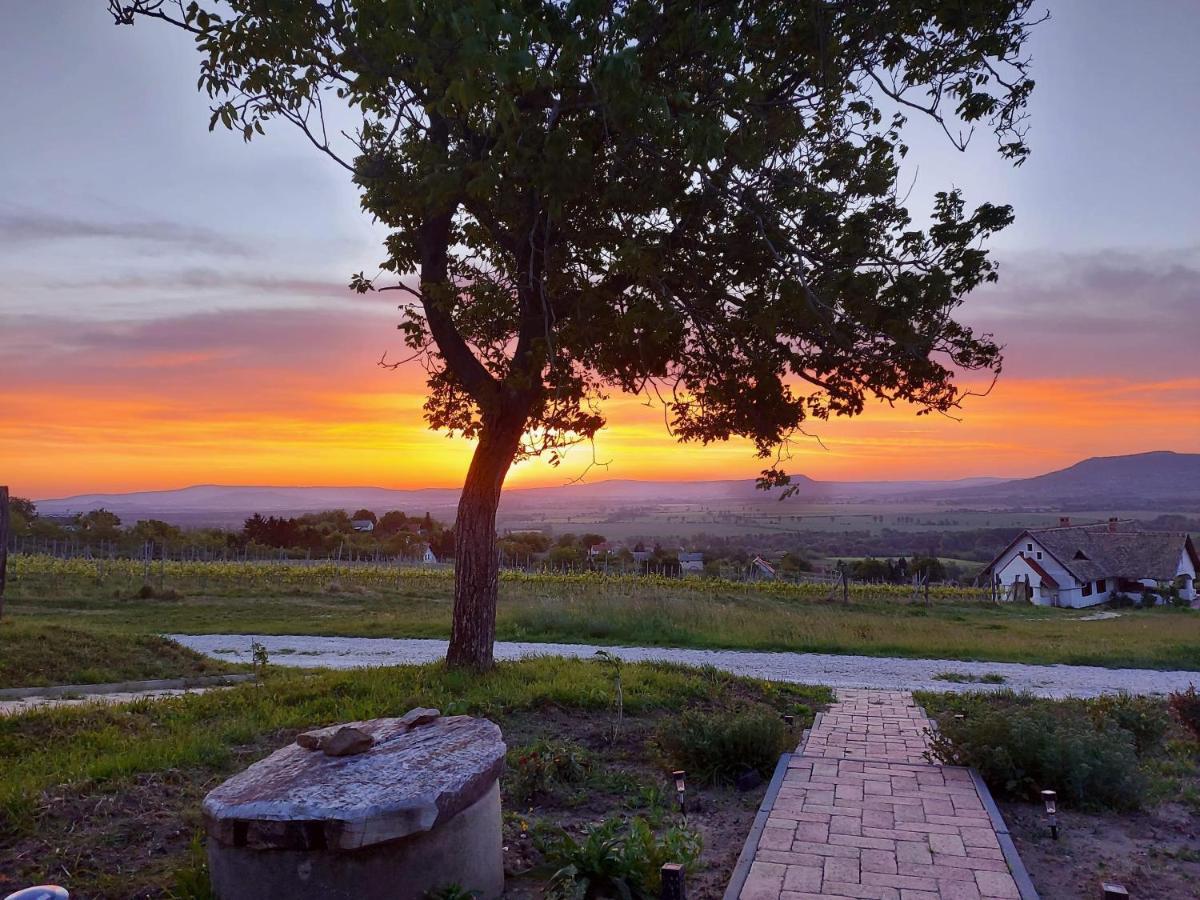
545, 765
616, 859
1186, 707
716, 748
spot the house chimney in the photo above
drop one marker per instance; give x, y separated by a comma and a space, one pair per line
1112, 523
1064, 521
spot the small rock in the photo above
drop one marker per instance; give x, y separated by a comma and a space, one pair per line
347, 742
415, 718
310, 740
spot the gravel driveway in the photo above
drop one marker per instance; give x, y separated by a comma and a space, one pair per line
804, 668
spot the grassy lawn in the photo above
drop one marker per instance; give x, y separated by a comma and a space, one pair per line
381, 601
106, 800
35, 653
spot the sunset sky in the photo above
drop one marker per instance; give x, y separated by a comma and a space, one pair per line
173, 306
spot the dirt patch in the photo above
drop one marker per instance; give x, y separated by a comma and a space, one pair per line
627, 778
1153, 854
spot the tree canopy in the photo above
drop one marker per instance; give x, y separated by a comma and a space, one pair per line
694, 200
697, 202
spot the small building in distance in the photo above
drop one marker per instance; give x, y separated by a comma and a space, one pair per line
1083, 565
760, 568
364, 525
425, 552
691, 562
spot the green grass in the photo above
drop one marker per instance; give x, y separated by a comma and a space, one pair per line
92, 789
381, 601
33, 654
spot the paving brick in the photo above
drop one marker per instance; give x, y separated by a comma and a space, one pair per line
913, 852
997, 884
950, 844
776, 839
958, 890
803, 878
878, 861
840, 869
764, 882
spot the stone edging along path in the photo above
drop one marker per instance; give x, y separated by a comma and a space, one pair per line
859, 812
836, 671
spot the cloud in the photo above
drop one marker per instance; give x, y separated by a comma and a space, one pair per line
36, 227
1093, 314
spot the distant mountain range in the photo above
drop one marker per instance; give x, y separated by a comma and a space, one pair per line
1128, 482
1143, 480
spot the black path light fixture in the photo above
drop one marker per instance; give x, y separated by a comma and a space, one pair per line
680, 777
1050, 798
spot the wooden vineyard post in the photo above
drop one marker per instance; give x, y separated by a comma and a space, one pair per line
4, 526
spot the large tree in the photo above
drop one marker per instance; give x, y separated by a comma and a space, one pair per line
697, 201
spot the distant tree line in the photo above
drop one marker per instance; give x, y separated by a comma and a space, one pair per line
322, 534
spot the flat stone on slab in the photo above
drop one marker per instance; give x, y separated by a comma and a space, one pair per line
420, 770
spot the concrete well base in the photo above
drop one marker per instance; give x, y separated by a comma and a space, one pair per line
465, 850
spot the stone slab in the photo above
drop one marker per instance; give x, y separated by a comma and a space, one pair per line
410, 779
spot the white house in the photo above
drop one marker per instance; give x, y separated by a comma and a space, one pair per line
1082, 565
364, 525
427, 554
691, 562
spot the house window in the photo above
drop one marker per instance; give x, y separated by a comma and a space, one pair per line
1029, 547
1087, 589
1101, 586
1039, 554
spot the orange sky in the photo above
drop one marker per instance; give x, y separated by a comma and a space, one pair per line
258, 399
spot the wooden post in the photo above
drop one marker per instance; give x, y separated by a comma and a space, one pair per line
672, 882
4, 526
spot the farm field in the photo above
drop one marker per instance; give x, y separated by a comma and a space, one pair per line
383, 601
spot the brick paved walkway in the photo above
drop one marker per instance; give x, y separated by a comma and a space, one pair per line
860, 813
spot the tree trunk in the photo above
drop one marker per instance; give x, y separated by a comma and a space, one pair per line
4, 525
476, 562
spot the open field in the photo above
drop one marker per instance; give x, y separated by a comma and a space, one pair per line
106, 800
383, 601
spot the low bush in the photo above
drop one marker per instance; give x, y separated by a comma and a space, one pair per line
1143, 717
1121, 600
616, 859
1186, 707
544, 765
715, 748
1022, 749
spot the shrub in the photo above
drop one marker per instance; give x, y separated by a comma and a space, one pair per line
715, 748
1121, 600
544, 765
615, 859
1143, 717
1020, 751
1186, 707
